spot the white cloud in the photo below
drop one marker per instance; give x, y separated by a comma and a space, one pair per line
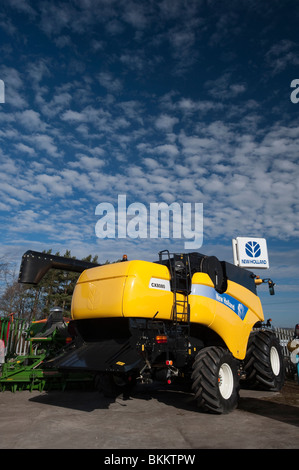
223, 88
165, 122
7, 25
151, 163
45, 143
77, 181
108, 81
31, 120
15, 192
14, 87
38, 70
56, 105
135, 14
55, 185
86, 163
194, 144
168, 149
188, 106
281, 55
23, 6
70, 115
22, 148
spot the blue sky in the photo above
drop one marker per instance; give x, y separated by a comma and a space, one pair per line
161, 101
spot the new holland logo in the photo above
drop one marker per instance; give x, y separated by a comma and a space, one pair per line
253, 249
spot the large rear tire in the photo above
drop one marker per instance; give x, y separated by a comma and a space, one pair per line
215, 381
264, 363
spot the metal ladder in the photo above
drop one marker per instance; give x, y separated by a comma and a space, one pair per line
180, 273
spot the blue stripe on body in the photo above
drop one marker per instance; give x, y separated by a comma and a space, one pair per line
225, 299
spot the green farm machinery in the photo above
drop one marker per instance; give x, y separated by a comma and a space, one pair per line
25, 367
42, 341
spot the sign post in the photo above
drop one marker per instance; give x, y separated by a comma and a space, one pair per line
250, 252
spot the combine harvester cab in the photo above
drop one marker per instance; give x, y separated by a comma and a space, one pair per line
185, 317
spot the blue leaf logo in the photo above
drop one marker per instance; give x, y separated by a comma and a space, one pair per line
253, 249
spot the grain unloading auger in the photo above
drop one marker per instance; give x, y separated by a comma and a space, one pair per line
186, 316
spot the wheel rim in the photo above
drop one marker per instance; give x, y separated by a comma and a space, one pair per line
275, 360
225, 381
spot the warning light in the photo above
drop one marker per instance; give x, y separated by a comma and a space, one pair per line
169, 363
161, 339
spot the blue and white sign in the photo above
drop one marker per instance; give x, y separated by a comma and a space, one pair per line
250, 252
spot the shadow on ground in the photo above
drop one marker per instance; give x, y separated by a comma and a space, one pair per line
270, 409
283, 406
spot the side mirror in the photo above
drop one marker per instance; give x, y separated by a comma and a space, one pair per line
271, 287
271, 284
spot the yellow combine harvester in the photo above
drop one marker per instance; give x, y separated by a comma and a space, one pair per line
185, 316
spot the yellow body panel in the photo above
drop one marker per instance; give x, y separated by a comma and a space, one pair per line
142, 289
231, 314
202, 308
98, 292
141, 298
123, 289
